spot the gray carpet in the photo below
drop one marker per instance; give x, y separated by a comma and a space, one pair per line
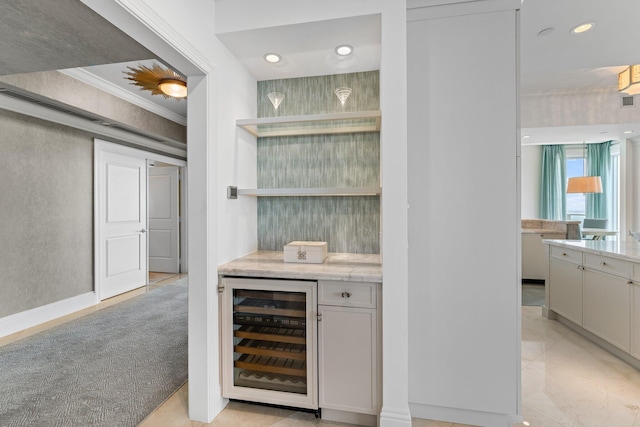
532, 294
109, 368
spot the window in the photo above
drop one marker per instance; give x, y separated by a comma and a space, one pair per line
576, 202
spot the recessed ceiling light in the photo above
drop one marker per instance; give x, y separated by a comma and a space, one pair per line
628, 131
546, 32
582, 28
272, 58
526, 136
344, 50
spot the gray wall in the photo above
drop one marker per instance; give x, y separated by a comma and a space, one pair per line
348, 224
60, 87
46, 213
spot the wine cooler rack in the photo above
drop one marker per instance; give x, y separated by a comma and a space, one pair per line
271, 341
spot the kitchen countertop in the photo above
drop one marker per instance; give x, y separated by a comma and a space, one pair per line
337, 266
541, 231
628, 250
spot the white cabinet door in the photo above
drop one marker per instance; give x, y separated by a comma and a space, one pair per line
635, 320
347, 359
606, 309
535, 261
565, 290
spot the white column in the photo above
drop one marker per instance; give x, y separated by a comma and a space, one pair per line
393, 137
464, 215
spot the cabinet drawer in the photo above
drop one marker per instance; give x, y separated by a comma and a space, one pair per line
609, 265
347, 294
568, 255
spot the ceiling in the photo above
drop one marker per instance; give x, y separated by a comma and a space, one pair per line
62, 34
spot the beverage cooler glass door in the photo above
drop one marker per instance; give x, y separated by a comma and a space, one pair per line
269, 341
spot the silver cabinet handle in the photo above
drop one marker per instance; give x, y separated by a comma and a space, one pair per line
603, 263
346, 294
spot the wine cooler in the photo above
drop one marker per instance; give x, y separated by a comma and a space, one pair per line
269, 341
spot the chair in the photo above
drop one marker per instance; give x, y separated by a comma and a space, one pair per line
598, 223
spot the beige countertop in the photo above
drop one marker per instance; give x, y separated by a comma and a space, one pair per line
337, 266
628, 250
541, 231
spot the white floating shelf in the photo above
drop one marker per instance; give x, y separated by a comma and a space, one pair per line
290, 192
313, 124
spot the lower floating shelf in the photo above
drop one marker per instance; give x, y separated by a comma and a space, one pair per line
291, 192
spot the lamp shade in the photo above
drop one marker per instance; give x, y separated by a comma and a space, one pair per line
584, 184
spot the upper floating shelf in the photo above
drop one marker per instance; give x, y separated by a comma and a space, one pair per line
313, 124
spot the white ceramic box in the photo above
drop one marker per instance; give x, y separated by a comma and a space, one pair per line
305, 252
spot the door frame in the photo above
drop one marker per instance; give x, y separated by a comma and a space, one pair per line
102, 146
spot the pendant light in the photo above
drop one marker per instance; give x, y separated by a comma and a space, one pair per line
584, 184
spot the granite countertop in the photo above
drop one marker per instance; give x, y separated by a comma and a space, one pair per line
628, 250
337, 266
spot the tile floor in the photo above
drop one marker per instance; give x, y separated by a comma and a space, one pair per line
566, 381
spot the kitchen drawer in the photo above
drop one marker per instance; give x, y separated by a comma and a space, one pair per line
347, 294
568, 255
609, 265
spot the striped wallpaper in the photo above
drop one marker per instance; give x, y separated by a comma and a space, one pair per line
348, 224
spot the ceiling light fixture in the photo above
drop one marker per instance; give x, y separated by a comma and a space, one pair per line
344, 50
629, 80
628, 131
546, 32
526, 136
272, 58
158, 80
583, 28
174, 88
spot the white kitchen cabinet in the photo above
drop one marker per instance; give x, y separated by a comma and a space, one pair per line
348, 350
606, 307
535, 261
565, 290
635, 319
603, 287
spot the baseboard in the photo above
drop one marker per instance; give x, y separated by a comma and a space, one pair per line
349, 417
620, 354
463, 416
36, 316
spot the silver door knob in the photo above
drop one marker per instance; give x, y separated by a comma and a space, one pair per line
143, 231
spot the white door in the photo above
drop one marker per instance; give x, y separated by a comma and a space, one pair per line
164, 236
122, 216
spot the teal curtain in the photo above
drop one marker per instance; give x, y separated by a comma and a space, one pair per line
599, 164
553, 204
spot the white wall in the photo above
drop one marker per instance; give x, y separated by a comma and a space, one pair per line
464, 217
530, 181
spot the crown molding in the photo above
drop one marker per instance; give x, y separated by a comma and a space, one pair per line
170, 148
154, 22
109, 87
